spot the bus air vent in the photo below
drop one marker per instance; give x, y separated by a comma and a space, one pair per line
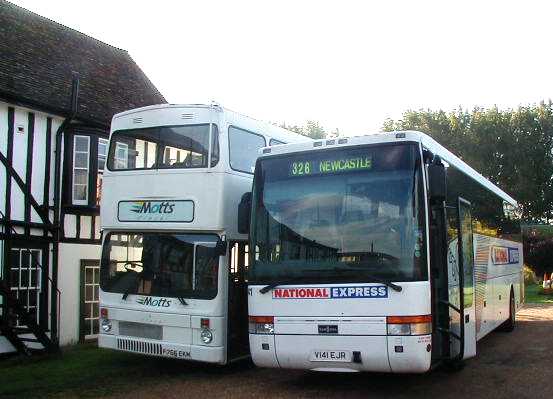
131, 345
140, 330
137, 120
342, 141
187, 116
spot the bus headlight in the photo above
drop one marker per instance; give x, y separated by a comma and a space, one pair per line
106, 325
262, 325
206, 335
409, 325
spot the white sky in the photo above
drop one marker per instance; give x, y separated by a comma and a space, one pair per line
346, 64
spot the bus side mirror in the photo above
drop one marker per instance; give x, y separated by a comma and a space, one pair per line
244, 210
436, 180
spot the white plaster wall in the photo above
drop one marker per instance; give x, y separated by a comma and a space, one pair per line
70, 256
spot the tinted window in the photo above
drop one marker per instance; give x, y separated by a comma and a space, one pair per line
490, 216
345, 215
243, 147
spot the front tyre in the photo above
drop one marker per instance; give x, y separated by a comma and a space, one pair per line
509, 324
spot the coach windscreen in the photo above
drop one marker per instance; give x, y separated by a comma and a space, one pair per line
339, 215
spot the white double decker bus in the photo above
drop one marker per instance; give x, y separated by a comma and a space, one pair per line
172, 274
382, 253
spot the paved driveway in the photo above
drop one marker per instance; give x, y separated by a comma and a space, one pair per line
508, 365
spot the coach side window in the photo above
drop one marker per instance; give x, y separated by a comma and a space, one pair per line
243, 148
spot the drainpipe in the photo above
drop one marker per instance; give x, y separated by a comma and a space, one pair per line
57, 206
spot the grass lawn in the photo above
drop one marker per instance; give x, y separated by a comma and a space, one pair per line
87, 371
533, 295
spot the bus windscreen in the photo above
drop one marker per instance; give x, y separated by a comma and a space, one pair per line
160, 264
339, 215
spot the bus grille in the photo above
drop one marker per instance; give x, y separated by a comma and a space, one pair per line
130, 345
140, 330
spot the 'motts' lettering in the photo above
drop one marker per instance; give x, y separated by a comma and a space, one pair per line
147, 207
150, 301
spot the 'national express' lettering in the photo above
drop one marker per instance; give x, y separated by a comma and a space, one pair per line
379, 291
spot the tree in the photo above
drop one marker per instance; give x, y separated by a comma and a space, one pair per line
311, 129
512, 148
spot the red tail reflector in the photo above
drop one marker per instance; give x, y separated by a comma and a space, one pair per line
262, 319
409, 319
103, 313
204, 323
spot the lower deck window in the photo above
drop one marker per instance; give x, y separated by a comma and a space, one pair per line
160, 264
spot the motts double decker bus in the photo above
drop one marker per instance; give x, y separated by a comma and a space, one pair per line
378, 253
172, 273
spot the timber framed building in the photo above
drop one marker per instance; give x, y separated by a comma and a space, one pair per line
58, 91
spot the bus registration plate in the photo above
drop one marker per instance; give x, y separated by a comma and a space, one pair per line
330, 356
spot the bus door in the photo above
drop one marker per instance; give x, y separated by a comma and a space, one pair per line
237, 336
460, 270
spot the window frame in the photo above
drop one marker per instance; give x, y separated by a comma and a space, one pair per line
100, 172
123, 236
278, 142
230, 146
73, 168
159, 155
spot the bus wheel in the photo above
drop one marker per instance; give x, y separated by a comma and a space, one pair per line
509, 324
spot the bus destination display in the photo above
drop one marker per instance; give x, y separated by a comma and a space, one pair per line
326, 166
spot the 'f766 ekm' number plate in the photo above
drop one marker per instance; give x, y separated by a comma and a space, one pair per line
330, 356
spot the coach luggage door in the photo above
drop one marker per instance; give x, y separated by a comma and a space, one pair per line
460, 267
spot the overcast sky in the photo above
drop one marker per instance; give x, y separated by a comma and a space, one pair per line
348, 65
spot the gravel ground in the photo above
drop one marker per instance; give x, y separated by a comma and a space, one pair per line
508, 365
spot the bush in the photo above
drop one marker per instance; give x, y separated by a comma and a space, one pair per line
529, 276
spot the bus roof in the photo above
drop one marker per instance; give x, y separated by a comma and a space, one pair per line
389, 137
232, 117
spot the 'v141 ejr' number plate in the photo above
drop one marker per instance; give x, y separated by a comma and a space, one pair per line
330, 356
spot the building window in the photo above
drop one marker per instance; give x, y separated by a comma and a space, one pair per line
122, 155
244, 147
81, 155
25, 276
90, 285
102, 155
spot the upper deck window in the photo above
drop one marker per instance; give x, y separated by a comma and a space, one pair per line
166, 147
243, 147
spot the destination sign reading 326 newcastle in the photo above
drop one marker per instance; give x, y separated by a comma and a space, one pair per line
155, 211
330, 165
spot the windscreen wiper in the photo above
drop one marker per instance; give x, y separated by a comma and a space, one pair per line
387, 283
269, 287
128, 291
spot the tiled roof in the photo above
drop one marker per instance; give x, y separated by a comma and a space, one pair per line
38, 58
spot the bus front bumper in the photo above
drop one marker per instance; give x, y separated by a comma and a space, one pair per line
163, 349
375, 353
